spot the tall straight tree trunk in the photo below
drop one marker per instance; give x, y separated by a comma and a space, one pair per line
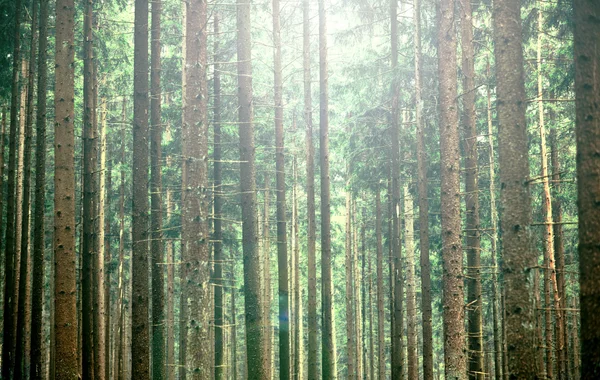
267, 295
310, 198
328, 359
380, 308
2, 161
282, 263
473, 240
256, 357
24, 298
100, 280
297, 374
140, 346
89, 193
366, 363
497, 328
170, 317
426, 308
411, 298
156, 245
105, 223
518, 255
119, 338
357, 296
65, 270
350, 331
559, 251
587, 40
37, 292
551, 285
218, 213
452, 258
398, 295
10, 289
195, 195
371, 353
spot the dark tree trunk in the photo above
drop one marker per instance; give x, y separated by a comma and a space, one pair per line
10, 284
587, 70
140, 339
518, 255
157, 245
256, 357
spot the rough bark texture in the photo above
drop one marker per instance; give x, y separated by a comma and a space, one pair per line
310, 199
156, 245
498, 369
256, 358
411, 298
380, 308
88, 197
398, 294
350, 331
65, 298
472, 241
453, 299
587, 94
217, 210
170, 316
10, 289
195, 236
37, 291
518, 255
426, 309
328, 367
140, 346
282, 263
24, 298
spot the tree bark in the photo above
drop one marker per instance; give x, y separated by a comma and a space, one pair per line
282, 263
256, 357
140, 347
310, 198
452, 257
411, 298
380, 308
350, 331
37, 292
217, 210
157, 244
518, 255
398, 360
586, 41
328, 359
24, 298
426, 308
65, 314
473, 240
10, 259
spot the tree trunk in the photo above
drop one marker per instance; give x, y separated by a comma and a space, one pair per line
256, 357
140, 347
380, 308
297, 375
10, 259
24, 298
65, 270
498, 363
120, 341
105, 172
37, 293
170, 317
356, 290
398, 295
350, 331
157, 244
452, 257
89, 193
218, 213
328, 339
473, 240
559, 251
426, 309
195, 195
282, 263
310, 199
587, 38
411, 299
518, 255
